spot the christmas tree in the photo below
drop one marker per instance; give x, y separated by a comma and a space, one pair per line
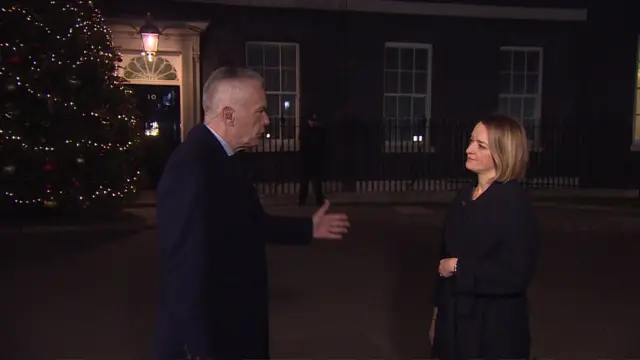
68, 132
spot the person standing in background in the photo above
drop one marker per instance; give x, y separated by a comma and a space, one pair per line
313, 150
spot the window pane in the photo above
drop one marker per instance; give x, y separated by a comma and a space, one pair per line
515, 107
505, 60
404, 107
427, 105
419, 109
419, 116
406, 59
528, 110
405, 130
289, 127
422, 59
505, 83
289, 81
391, 57
272, 55
390, 106
272, 79
420, 82
273, 106
254, 55
518, 61
518, 83
533, 61
391, 129
532, 84
406, 82
503, 105
274, 128
530, 126
391, 82
289, 56
288, 105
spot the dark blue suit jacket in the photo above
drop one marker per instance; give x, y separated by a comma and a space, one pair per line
212, 232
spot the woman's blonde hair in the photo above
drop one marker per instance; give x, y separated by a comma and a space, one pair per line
508, 145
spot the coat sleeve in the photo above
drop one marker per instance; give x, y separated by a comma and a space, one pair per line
437, 294
286, 230
184, 228
511, 269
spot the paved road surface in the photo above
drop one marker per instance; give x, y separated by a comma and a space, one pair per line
91, 297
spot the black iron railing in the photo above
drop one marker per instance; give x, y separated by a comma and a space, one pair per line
394, 156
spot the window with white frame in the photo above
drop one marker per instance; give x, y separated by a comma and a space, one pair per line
521, 87
278, 65
407, 92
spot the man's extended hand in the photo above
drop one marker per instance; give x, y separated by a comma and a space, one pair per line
329, 226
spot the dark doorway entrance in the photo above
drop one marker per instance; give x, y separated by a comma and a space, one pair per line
160, 109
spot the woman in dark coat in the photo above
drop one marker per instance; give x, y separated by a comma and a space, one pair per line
488, 252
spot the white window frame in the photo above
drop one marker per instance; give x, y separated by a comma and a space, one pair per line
535, 141
395, 146
280, 144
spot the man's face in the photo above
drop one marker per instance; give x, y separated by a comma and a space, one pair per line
250, 116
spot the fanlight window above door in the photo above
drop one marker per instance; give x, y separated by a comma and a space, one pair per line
156, 68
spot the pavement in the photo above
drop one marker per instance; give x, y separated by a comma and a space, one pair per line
92, 295
140, 215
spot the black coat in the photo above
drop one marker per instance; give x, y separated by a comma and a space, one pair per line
483, 310
212, 233
313, 142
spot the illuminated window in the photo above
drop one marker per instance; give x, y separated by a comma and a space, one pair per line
521, 87
278, 65
154, 68
407, 95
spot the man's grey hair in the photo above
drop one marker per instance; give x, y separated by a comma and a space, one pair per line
210, 89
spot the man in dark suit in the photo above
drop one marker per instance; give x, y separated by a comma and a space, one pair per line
212, 232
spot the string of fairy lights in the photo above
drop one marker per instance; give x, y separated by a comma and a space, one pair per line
78, 143
93, 53
49, 199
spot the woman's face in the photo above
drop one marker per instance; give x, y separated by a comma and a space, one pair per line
479, 159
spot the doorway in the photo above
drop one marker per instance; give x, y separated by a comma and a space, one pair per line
159, 106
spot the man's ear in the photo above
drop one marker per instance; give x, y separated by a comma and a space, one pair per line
228, 116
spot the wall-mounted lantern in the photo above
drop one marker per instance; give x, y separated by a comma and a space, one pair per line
150, 36
150, 33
